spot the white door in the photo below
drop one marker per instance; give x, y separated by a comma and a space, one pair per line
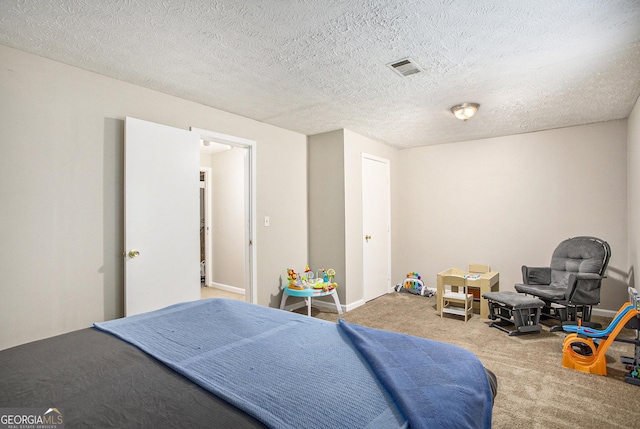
162, 245
376, 227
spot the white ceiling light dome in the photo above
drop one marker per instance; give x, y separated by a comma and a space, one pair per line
465, 111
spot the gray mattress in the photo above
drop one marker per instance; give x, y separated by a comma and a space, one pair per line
99, 381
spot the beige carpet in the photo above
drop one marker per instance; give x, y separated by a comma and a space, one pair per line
534, 391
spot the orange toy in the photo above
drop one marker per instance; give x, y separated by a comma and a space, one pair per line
595, 361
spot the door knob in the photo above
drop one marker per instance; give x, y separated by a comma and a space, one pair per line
367, 237
133, 253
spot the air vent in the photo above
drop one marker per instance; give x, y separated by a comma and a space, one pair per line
405, 67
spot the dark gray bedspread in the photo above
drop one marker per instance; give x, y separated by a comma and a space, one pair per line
98, 381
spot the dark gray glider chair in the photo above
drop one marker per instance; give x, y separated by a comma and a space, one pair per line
570, 287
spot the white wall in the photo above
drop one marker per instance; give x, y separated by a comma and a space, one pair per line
509, 201
61, 227
633, 174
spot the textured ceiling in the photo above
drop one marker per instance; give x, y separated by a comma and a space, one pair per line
312, 66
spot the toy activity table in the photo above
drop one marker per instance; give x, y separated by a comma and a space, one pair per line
308, 294
487, 282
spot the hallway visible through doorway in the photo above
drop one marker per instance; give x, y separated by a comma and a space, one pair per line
212, 292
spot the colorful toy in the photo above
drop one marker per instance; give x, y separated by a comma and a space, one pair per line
583, 353
414, 284
321, 275
331, 273
294, 281
323, 280
633, 362
308, 280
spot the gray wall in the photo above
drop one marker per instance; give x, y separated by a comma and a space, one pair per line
327, 206
633, 174
335, 206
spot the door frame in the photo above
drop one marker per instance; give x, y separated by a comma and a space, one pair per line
208, 252
387, 163
250, 146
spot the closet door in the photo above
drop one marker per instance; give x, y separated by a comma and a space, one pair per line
376, 226
162, 242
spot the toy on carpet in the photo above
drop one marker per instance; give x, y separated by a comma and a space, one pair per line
582, 352
414, 284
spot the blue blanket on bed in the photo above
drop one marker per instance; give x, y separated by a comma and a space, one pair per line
284, 369
435, 385
292, 371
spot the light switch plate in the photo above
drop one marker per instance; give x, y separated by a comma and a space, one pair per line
266, 221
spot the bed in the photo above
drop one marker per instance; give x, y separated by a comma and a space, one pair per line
225, 363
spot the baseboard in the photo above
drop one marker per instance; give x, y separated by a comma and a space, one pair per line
354, 305
603, 313
227, 288
332, 306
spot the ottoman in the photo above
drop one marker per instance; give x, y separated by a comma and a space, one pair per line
519, 310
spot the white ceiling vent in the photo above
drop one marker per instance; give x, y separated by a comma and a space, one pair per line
405, 67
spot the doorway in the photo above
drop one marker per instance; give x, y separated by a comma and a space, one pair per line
205, 225
229, 225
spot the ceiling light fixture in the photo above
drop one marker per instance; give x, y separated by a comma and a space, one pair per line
465, 111
212, 146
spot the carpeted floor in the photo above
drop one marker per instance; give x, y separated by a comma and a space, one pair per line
534, 391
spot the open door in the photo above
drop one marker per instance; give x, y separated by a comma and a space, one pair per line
161, 182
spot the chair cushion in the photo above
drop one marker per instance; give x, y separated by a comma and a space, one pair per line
576, 255
551, 292
514, 300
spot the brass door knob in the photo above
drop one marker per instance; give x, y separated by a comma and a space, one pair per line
367, 237
133, 253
